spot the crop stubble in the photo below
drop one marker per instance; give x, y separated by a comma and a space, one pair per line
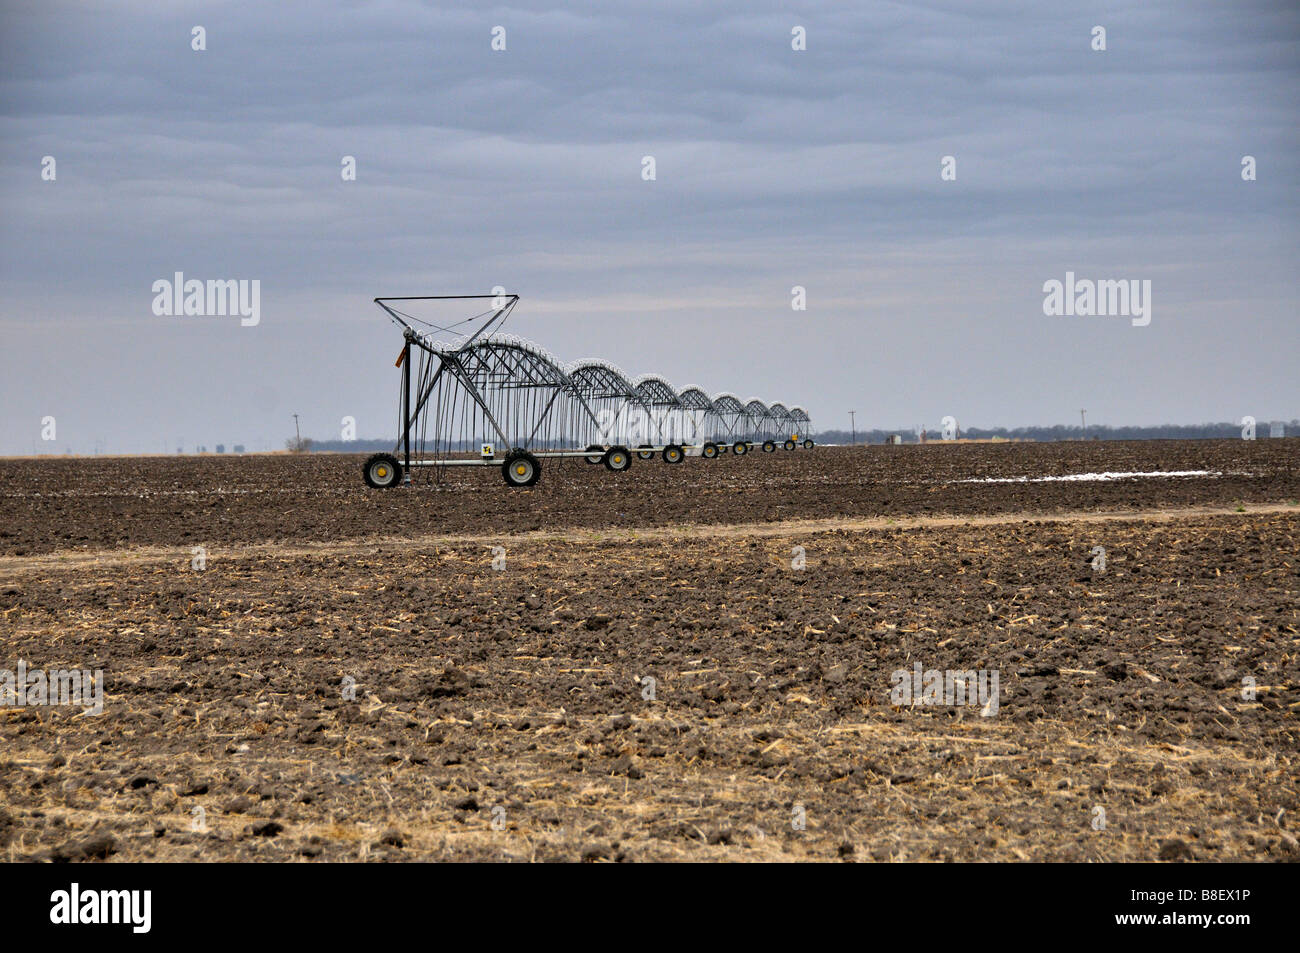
500, 715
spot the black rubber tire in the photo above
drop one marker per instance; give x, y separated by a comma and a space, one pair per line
790, 445
382, 471
808, 444
709, 450
645, 452
740, 448
769, 446
674, 454
618, 459
521, 468
596, 453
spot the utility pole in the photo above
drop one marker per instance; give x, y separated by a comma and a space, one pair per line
853, 427
297, 433
1083, 423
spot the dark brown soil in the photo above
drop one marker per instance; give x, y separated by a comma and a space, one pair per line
51, 504
503, 714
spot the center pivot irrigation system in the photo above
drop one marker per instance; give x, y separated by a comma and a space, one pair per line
491, 399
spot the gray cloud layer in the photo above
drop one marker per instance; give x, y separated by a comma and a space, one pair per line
775, 168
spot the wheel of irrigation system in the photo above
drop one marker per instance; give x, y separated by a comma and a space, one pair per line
808, 444
674, 454
709, 450
382, 471
790, 445
618, 459
645, 452
521, 468
740, 448
769, 446
595, 453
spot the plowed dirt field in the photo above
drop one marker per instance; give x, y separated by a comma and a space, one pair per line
680, 662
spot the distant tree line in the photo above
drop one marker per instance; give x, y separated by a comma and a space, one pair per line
1219, 431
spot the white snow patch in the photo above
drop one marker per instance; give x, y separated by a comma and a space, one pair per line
1084, 477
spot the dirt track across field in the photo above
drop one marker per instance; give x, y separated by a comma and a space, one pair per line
411, 675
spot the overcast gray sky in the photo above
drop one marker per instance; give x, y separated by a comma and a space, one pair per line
775, 168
